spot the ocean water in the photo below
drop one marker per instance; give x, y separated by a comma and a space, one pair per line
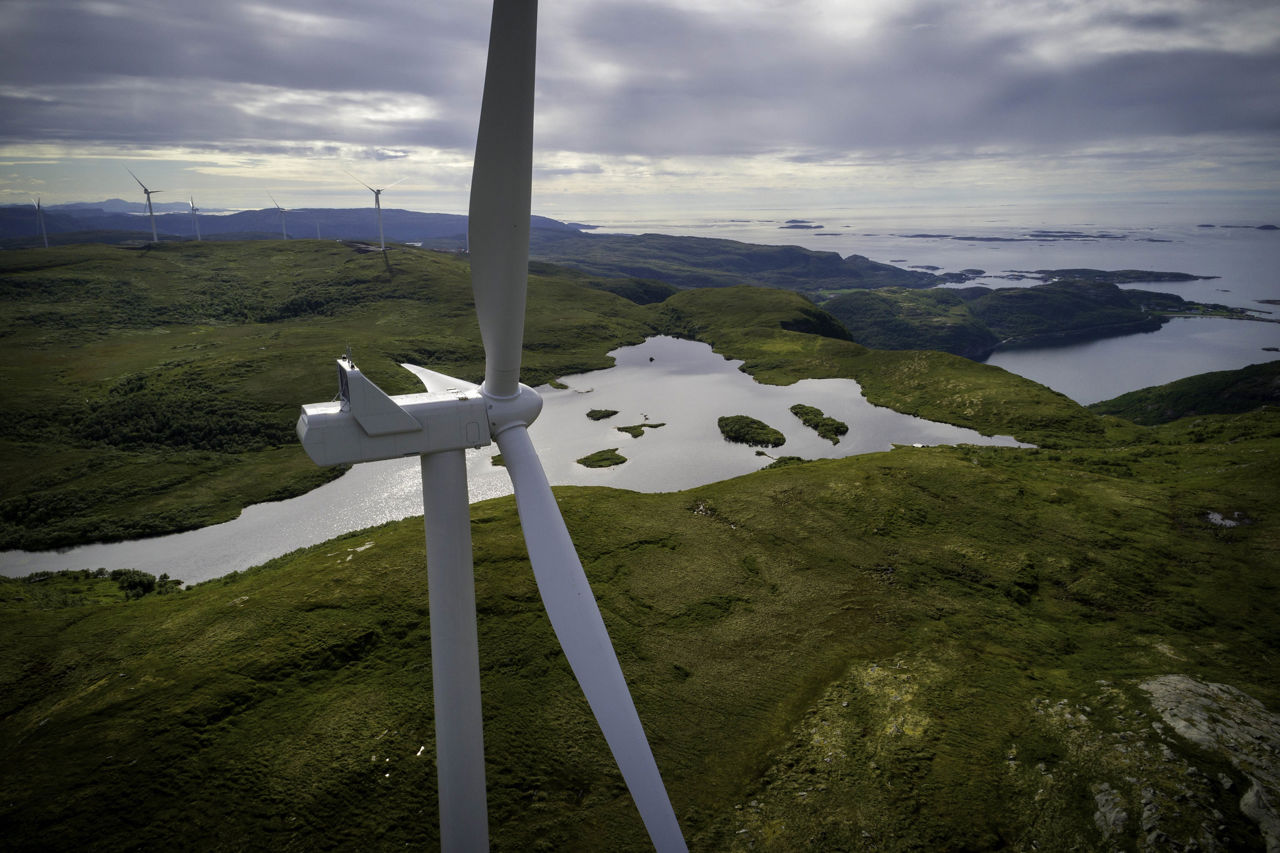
1243, 260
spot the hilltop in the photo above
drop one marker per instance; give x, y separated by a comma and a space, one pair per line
117, 221
842, 654
1077, 305
155, 389
963, 647
1220, 392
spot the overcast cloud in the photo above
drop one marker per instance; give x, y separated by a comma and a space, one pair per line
646, 99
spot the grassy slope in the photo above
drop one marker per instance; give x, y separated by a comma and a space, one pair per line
974, 321
749, 324
156, 390
707, 262
1220, 392
873, 611
896, 318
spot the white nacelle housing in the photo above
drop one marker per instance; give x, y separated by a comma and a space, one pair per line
365, 424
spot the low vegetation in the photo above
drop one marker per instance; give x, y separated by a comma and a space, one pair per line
603, 459
830, 655
1221, 392
155, 390
743, 429
974, 321
813, 417
693, 262
601, 414
637, 430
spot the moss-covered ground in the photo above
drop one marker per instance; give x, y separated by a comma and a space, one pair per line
937, 647
153, 390
930, 648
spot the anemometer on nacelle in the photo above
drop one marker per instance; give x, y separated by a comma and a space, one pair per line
365, 423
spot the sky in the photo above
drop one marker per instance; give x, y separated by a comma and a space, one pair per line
649, 108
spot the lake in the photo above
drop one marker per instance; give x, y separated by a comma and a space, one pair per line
682, 385
686, 386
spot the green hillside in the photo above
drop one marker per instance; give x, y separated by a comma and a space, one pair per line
154, 390
709, 262
974, 321
849, 654
894, 318
1066, 647
1221, 392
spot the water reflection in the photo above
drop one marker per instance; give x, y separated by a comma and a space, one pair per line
682, 385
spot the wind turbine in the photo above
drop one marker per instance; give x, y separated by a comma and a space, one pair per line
150, 213
377, 203
283, 232
40, 219
365, 424
195, 219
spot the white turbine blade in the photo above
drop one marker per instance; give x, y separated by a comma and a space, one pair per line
135, 177
439, 382
393, 183
498, 222
455, 655
576, 619
360, 182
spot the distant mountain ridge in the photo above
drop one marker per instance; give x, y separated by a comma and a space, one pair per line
684, 262
442, 230
119, 205
691, 262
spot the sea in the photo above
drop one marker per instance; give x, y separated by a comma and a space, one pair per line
1238, 251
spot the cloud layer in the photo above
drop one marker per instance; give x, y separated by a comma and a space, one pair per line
739, 90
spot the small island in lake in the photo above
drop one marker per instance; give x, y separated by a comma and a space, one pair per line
814, 418
603, 459
742, 429
637, 430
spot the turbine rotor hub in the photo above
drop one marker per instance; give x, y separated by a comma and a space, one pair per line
520, 409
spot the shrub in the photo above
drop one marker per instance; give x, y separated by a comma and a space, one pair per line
134, 583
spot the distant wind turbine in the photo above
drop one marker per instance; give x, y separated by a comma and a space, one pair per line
283, 231
365, 424
377, 203
150, 213
40, 220
195, 219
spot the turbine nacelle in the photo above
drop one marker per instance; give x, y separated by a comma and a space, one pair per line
366, 424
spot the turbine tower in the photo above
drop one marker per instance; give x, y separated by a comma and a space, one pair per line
150, 213
195, 220
40, 219
365, 424
283, 232
377, 203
